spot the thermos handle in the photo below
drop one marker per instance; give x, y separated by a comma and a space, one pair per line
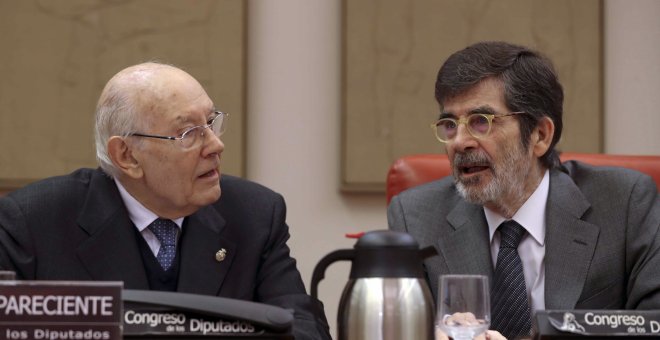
319, 270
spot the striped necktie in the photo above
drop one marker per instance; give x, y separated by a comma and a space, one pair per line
511, 314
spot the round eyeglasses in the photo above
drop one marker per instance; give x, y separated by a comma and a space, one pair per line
478, 125
194, 136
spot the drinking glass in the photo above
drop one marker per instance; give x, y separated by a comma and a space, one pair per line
463, 306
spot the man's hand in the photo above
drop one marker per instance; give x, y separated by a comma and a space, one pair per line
461, 319
466, 319
489, 335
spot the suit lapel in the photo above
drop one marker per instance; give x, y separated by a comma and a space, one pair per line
200, 271
570, 243
111, 252
464, 242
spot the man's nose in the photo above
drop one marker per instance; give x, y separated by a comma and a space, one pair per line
463, 140
212, 144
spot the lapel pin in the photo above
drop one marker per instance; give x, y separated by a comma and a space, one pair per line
220, 255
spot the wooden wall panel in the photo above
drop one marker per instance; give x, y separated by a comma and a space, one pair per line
394, 48
57, 56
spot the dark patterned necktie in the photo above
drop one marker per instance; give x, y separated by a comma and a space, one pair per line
511, 314
165, 231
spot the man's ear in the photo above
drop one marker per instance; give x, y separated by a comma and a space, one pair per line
542, 136
121, 156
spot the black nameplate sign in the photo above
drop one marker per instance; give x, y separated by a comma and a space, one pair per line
51, 310
169, 315
608, 324
140, 321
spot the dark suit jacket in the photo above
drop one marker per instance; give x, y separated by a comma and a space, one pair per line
602, 244
76, 227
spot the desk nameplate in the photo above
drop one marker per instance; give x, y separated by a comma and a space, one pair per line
60, 310
139, 321
597, 324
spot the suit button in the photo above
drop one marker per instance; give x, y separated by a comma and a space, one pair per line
220, 255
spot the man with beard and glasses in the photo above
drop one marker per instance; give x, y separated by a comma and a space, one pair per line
153, 215
548, 235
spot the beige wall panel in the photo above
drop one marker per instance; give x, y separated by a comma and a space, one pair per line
57, 55
393, 50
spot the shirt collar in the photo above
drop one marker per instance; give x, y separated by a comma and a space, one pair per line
138, 213
531, 214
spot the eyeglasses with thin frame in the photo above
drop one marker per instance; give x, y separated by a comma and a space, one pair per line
194, 136
478, 125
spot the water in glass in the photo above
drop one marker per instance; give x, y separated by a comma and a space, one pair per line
463, 306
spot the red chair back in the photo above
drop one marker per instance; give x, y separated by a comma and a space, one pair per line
409, 171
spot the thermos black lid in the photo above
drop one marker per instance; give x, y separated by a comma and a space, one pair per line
386, 238
388, 254
378, 254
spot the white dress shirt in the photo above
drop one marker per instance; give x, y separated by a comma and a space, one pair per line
532, 247
142, 218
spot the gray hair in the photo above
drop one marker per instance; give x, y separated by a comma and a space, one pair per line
116, 115
530, 85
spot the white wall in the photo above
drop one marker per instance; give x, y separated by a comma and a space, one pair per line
293, 129
293, 132
632, 77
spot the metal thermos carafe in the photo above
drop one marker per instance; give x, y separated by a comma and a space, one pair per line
386, 297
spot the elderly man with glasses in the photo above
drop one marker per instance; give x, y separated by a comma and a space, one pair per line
548, 235
153, 215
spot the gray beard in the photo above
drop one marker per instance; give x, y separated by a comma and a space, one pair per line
508, 179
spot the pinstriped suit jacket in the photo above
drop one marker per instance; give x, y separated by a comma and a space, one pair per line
602, 236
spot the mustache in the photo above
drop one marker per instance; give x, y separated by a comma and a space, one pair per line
471, 159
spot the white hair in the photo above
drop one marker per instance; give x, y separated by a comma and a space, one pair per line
118, 109
116, 115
